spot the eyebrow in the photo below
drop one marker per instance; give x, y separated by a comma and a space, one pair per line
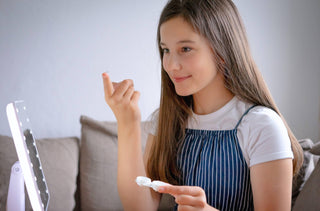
180, 42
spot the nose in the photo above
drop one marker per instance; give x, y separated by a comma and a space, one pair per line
171, 62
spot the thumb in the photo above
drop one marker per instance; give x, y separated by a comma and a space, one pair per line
107, 84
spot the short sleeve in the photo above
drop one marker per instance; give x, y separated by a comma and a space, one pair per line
268, 138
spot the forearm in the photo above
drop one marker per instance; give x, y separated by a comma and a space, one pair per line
130, 165
123, 100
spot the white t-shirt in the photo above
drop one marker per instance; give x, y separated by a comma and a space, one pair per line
262, 134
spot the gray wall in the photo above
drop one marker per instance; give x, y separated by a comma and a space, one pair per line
52, 54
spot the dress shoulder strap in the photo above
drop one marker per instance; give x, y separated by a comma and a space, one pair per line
247, 111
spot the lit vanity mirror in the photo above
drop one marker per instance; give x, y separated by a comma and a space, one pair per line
28, 169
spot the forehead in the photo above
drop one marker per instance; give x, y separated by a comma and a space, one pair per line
176, 29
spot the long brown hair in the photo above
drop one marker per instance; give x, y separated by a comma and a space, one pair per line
220, 23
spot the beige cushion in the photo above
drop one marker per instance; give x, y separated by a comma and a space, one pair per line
8, 157
59, 158
308, 199
316, 149
98, 165
305, 170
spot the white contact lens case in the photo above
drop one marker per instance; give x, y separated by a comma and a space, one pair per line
145, 181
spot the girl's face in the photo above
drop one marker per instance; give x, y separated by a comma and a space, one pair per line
187, 58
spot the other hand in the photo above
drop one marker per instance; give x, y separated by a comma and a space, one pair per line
122, 99
188, 197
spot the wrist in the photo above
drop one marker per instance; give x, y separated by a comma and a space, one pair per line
131, 130
129, 126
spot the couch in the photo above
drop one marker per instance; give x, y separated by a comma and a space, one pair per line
81, 172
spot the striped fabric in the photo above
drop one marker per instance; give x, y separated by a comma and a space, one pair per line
213, 160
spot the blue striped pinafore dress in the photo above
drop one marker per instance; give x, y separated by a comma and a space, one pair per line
213, 160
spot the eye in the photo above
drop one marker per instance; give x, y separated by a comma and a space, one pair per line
186, 49
165, 50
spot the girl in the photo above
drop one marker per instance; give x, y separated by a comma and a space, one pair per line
219, 137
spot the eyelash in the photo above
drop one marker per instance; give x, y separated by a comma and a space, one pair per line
165, 50
186, 49
183, 49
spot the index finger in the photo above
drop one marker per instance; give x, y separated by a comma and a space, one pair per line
180, 190
107, 84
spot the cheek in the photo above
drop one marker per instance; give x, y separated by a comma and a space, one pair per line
165, 63
190, 63
196, 64
203, 69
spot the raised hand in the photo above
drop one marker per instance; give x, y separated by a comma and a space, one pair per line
122, 99
188, 197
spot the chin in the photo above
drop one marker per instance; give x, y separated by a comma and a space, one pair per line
183, 93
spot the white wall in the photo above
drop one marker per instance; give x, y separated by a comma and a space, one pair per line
52, 54
285, 41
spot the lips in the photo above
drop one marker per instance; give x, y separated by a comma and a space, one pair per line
180, 79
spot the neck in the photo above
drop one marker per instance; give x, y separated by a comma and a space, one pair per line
211, 98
